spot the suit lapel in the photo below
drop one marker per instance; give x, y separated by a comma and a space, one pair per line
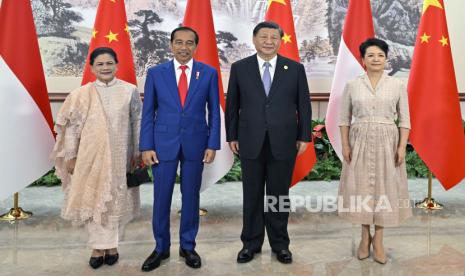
169, 75
254, 73
279, 71
196, 77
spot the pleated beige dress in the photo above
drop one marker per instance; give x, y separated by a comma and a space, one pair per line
372, 189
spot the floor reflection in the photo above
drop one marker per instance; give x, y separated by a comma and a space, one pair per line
430, 243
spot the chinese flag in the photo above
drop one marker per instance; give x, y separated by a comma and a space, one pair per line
111, 30
199, 17
437, 133
280, 11
358, 26
26, 137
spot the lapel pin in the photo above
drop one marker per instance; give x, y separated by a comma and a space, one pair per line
285, 67
197, 75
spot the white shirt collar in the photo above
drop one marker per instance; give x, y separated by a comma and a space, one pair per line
189, 64
102, 84
271, 61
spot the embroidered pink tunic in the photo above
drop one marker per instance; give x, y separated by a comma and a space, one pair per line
94, 117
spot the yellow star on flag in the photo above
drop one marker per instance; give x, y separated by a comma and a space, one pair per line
94, 33
126, 29
428, 3
114, 1
424, 38
111, 36
444, 41
286, 38
282, 2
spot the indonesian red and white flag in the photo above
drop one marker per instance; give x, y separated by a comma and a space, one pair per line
358, 26
280, 11
437, 132
199, 17
26, 137
111, 30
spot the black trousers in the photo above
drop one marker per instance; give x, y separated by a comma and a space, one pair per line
265, 176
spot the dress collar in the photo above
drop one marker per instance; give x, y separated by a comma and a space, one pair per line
102, 84
366, 79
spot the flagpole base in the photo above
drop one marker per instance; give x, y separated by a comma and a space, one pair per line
429, 204
202, 212
15, 214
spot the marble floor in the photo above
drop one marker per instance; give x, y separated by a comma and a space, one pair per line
430, 243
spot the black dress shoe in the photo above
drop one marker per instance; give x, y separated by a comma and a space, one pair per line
246, 255
111, 259
154, 260
192, 258
284, 256
96, 262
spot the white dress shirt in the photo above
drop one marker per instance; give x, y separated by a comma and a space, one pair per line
179, 71
261, 66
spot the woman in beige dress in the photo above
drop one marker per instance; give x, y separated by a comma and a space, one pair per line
97, 143
373, 187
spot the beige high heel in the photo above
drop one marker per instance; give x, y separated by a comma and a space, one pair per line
360, 245
377, 259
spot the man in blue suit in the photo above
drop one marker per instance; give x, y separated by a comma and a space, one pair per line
174, 130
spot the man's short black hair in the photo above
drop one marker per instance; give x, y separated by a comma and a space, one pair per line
373, 42
269, 25
100, 51
184, 28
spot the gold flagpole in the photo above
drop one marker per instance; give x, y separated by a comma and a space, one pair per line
429, 202
15, 213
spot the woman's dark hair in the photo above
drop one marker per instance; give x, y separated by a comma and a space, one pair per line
184, 28
100, 51
269, 25
373, 42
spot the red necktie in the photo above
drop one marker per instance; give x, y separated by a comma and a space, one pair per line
182, 85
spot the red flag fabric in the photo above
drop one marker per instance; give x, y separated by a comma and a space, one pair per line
25, 116
280, 11
358, 26
111, 30
199, 17
437, 132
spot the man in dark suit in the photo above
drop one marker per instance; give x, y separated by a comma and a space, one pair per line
268, 122
174, 130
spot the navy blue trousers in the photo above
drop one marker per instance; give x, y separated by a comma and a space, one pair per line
164, 175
